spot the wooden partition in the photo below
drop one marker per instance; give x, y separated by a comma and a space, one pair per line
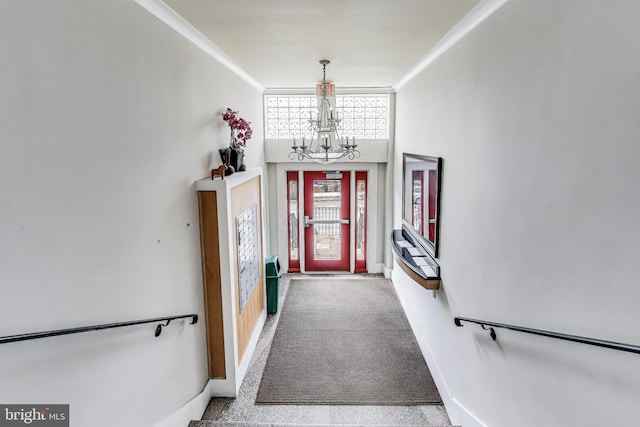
232, 242
209, 244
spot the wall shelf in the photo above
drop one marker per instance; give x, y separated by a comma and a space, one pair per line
414, 260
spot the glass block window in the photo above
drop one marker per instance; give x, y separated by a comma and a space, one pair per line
363, 116
288, 116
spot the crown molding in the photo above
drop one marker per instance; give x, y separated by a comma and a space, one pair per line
168, 16
475, 17
382, 90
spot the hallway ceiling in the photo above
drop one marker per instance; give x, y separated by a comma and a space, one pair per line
371, 43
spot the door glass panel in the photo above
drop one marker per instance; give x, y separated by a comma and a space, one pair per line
360, 215
417, 200
293, 220
433, 188
326, 207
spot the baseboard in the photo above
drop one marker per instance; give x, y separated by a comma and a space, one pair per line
465, 417
458, 412
222, 387
387, 272
378, 268
192, 410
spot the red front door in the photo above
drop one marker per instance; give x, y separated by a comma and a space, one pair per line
326, 221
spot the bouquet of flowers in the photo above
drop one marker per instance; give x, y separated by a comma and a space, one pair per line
240, 129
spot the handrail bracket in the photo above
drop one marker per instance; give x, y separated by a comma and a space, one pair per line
492, 331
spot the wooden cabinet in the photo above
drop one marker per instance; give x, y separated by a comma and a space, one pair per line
232, 245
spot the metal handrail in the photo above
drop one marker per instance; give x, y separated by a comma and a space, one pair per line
57, 332
567, 337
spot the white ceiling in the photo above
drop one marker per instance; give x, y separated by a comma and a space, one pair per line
371, 43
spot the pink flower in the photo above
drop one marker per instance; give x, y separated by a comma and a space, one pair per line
240, 128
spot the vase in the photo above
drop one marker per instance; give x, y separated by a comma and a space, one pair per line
224, 155
236, 159
232, 157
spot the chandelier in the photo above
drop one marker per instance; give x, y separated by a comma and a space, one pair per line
325, 145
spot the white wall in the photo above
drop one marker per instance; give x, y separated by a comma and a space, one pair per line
107, 118
537, 116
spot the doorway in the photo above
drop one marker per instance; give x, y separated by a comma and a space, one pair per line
327, 221
326, 216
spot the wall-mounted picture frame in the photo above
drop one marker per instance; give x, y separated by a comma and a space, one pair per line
421, 187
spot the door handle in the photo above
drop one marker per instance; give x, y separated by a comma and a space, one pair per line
308, 222
328, 221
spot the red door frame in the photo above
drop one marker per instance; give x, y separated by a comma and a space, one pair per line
344, 263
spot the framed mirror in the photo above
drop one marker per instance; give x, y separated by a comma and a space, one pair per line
421, 199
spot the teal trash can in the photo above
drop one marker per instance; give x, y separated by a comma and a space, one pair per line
273, 278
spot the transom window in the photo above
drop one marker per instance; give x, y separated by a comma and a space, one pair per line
364, 116
287, 116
